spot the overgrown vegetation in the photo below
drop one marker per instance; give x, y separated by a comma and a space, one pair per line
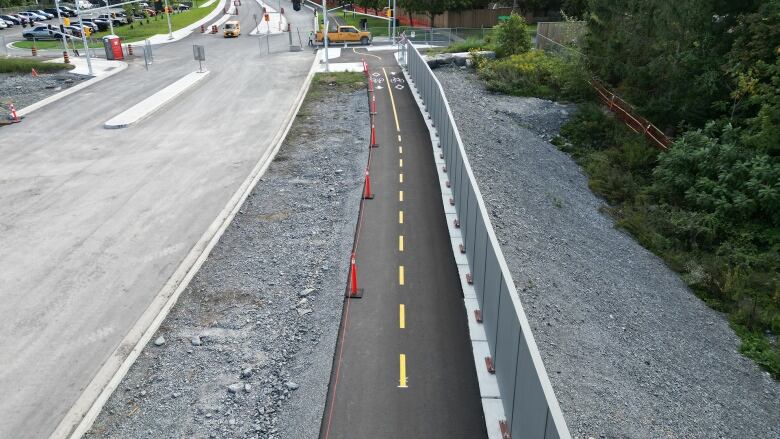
20, 65
708, 73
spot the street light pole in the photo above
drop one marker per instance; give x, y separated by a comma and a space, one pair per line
84, 37
394, 21
325, 33
59, 16
110, 21
168, 14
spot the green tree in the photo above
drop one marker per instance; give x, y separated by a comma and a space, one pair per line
512, 36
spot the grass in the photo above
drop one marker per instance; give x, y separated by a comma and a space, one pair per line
341, 82
156, 25
15, 65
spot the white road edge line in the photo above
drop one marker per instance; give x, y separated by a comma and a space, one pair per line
82, 415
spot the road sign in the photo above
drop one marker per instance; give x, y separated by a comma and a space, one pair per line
199, 52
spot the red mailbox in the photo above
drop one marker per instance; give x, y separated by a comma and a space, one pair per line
113, 46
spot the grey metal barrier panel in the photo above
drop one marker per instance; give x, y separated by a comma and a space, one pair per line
530, 406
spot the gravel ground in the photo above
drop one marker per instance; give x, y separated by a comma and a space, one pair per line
630, 351
247, 350
24, 90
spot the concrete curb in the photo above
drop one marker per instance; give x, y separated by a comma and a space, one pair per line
82, 415
151, 104
54, 98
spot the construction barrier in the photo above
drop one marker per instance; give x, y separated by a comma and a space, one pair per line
354, 291
14, 116
202, 28
33, 73
129, 49
213, 28
34, 51
65, 57
367, 195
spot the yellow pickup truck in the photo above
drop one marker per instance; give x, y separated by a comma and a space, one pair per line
346, 34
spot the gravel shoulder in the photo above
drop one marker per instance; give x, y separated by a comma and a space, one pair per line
25, 90
630, 350
247, 351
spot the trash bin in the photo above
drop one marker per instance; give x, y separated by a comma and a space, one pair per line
113, 46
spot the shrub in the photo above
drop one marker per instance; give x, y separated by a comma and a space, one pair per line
512, 36
535, 73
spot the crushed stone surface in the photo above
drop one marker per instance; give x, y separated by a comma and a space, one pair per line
631, 352
247, 350
24, 89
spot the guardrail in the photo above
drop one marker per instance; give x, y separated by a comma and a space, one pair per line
530, 405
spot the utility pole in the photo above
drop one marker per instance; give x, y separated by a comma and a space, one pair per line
59, 16
168, 14
110, 18
325, 33
84, 37
394, 22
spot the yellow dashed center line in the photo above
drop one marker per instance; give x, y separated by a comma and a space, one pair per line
400, 243
402, 316
402, 381
401, 178
400, 150
400, 163
392, 103
400, 274
399, 137
400, 195
400, 217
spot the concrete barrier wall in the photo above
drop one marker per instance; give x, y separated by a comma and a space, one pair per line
530, 406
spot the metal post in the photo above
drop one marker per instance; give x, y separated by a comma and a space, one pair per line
394, 20
325, 33
168, 15
84, 38
110, 21
146, 58
59, 17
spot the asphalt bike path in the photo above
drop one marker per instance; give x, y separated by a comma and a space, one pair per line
403, 366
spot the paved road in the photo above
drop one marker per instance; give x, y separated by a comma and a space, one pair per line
412, 314
93, 222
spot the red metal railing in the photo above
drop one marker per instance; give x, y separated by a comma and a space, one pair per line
630, 117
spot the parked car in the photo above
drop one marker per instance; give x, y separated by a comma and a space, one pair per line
8, 23
71, 12
182, 8
3, 24
78, 28
150, 12
115, 21
101, 25
143, 4
12, 19
83, 4
31, 16
74, 30
24, 19
43, 13
38, 33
